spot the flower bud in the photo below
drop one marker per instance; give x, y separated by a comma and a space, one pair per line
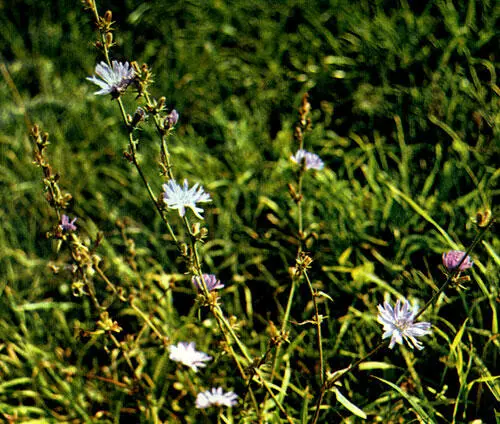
35, 130
161, 103
171, 120
483, 218
452, 258
108, 16
109, 39
139, 116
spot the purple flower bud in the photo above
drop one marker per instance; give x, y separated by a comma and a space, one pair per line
171, 119
68, 225
454, 257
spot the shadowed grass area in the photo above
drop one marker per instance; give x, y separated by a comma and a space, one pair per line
405, 115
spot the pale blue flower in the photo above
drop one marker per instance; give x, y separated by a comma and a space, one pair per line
210, 281
311, 160
398, 324
186, 354
113, 80
216, 397
180, 198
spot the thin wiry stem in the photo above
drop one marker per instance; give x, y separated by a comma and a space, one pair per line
317, 322
327, 384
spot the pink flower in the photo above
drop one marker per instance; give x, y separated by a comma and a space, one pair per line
454, 257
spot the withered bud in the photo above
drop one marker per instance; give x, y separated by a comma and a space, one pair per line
128, 156
108, 16
135, 66
304, 109
298, 134
98, 44
47, 173
195, 228
139, 116
109, 39
35, 131
302, 263
161, 103
483, 218
293, 193
45, 137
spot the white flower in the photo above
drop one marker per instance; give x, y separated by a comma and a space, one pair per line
398, 324
113, 80
186, 354
312, 160
180, 198
216, 397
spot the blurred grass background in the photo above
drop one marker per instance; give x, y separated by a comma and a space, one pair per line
405, 115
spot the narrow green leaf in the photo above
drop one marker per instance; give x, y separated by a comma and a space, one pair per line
348, 404
414, 402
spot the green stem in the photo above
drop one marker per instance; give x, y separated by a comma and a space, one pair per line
283, 327
329, 383
133, 153
318, 327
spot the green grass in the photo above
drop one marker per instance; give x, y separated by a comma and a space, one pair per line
405, 115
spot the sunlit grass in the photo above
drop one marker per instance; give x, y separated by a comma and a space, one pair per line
405, 116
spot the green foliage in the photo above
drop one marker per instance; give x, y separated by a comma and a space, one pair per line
405, 115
